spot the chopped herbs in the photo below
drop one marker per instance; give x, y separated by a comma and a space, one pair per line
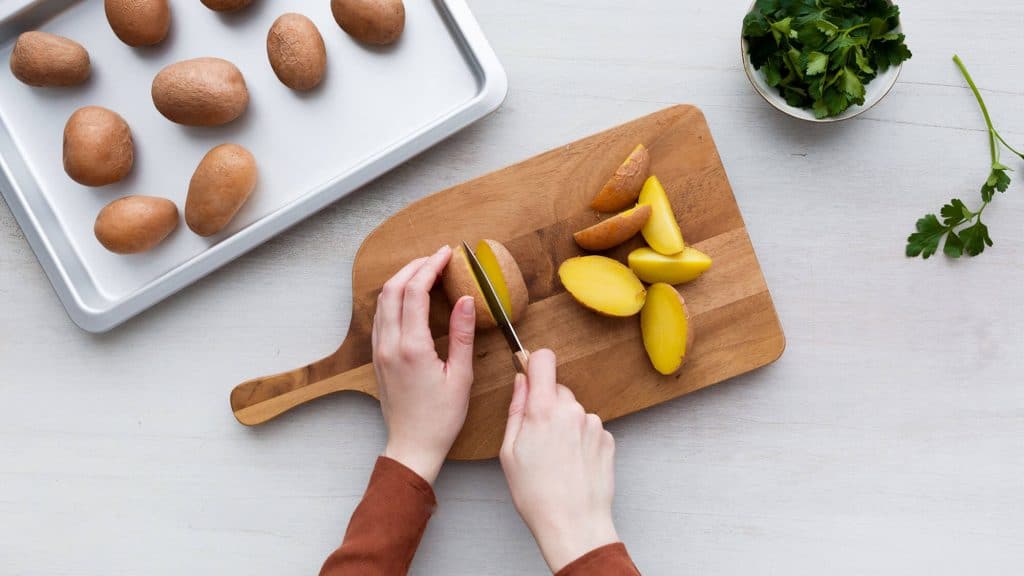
819, 54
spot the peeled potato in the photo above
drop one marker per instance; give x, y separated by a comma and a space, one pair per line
501, 268
652, 267
625, 184
661, 230
603, 285
614, 230
296, 51
200, 92
44, 59
139, 22
370, 21
221, 184
665, 325
98, 148
135, 224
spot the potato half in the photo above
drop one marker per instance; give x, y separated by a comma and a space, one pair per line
624, 186
665, 325
615, 230
651, 267
458, 281
603, 285
662, 229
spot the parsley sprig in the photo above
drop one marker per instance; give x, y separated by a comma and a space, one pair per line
820, 54
962, 227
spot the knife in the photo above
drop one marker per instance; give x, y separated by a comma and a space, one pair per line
520, 357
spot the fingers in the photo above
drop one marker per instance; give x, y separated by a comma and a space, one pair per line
461, 330
543, 391
516, 411
416, 300
388, 317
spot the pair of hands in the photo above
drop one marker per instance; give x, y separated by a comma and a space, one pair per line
558, 460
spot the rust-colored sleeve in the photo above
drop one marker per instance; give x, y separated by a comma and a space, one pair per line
386, 527
608, 560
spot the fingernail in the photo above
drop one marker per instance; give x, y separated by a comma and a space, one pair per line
466, 307
444, 248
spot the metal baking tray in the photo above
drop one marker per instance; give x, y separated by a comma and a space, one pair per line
376, 108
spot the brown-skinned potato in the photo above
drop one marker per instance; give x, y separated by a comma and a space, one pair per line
139, 22
623, 188
226, 5
98, 147
135, 224
458, 281
223, 181
42, 59
370, 21
200, 92
296, 51
613, 231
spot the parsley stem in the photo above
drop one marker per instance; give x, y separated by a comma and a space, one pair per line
984, 109
1007, 144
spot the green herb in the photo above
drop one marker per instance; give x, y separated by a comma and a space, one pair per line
964, 231
819, 54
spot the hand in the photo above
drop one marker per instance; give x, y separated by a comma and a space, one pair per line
424, 399
560, 466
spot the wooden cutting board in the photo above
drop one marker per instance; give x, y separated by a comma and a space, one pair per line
533, 208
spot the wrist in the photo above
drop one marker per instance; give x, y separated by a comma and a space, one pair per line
426, 466
561, 546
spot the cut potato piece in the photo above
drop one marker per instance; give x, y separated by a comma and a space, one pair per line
651, 267
458, 281
615, 230
661, 230
665, 324
603, 285
624, 186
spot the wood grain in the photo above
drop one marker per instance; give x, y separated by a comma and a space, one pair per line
533, 208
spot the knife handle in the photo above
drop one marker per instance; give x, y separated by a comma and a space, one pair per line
521, 359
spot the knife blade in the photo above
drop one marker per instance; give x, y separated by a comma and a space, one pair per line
520, 356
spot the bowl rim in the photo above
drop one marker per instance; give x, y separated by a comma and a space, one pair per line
781, 105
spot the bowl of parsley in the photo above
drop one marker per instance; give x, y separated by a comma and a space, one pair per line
823, 60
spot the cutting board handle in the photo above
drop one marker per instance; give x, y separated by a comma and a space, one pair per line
261, 399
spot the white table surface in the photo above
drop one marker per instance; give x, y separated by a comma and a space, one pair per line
889, 439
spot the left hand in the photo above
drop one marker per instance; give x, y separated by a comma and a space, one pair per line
424, 399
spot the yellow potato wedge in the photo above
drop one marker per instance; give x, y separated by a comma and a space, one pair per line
661, 230
624, 186
614, 230
651, 267
665, 325
603, 285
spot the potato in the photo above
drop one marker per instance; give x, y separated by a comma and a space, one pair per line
624, 186
603, 285
200, 92
614, 230
222, 182
666, 329
98, 147
370, 21
651, 266
458, 281
135, 224
139, 22
226, 5
44, 59
296, 51
661, 230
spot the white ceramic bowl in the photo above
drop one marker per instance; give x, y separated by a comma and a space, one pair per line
874, 91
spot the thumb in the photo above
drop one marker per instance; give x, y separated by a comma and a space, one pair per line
461, 330
516, 412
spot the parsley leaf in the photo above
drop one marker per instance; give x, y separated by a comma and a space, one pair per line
925, 241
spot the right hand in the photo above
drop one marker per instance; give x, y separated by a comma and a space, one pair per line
560, 466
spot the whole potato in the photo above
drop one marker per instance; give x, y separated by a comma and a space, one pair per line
98, 147
226, 5
200, 92
370, 21
139, 22
296, 51
135, 224
44, 59
222, 182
